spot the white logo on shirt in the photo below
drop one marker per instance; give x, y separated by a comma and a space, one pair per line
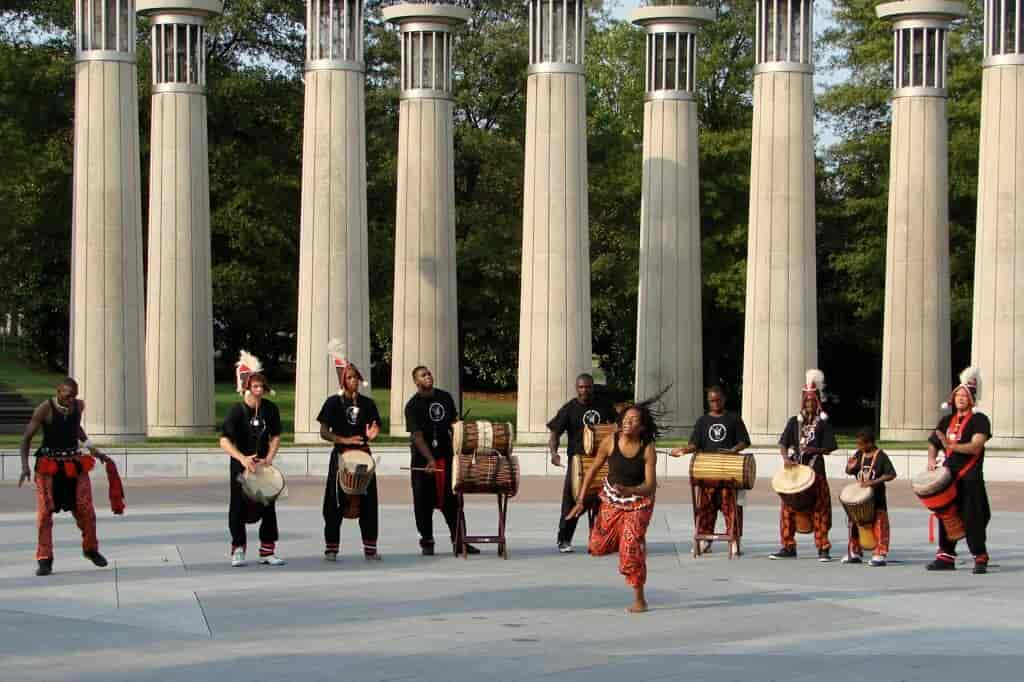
717, 433
437, 412
352, 414
591, 417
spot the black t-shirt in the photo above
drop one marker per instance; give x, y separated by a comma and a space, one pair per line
819, 435
347, 418
711, 434
882, 467
433, 415
574, 415
251, 430
978, 423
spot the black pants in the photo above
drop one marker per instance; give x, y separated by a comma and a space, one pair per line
335, 500
972, 502
424, 500
567, 527
242, 510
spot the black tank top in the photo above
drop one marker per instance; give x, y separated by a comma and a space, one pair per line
624, 470
61, 432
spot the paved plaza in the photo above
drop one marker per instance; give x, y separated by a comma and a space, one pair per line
170, 607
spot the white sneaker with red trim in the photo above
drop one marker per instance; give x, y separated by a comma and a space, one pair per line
272, 560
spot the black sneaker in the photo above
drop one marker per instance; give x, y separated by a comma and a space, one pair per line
980, 568
823, 556
940, 565
95, 557
427, 548
45, 567
851, 559
784, 553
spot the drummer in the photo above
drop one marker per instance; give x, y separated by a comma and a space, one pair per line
586, 409
717, 431
429, 416
251, 435
961, 437
350, 421
873, 469
807, 438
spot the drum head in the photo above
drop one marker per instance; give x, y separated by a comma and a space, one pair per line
930, 482
854, 493
792, 480
350, 459
263, 485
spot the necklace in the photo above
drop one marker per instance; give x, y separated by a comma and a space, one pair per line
60, 408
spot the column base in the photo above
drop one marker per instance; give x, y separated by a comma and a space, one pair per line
180, 431
910, 434
116, 438
310, 438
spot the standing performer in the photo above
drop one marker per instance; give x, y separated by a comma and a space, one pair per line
586, 409
62, 472
350, 420
429, 416
809, 436
873, 469
717, 431
962, 436
251, 435
627, 499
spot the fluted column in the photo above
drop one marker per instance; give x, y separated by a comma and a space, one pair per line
334, 281
781, 322
554, 317
998, 320
426, 311
916, 339
179, 307
669, 339
106, 335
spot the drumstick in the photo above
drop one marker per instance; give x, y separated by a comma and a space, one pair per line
416, 469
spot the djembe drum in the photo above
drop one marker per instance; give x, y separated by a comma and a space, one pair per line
937, 491
482, 436
579, 465
594, 435
355, 471
486, 471
859, 503
261, 488
795, 486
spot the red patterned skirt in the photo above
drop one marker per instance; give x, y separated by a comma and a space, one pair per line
621, 526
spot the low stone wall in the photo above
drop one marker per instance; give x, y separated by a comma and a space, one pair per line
1001, 465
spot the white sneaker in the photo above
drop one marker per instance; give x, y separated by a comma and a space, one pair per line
565, 548
272, 560
330, 556
238, 557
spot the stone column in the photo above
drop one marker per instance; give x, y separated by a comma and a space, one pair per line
334, 280
916, 340
998, 324
426, 312
106, 339
554, 318
179, 308
781, 320
669, 339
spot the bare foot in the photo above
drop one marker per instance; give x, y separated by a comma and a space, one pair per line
637, 607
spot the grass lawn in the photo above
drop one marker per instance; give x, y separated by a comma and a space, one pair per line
38, 384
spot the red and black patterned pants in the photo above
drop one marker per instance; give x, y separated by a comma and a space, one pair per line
84, 513
821, 517
625, 531
709, 502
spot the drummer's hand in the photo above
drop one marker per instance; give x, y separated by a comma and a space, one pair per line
556, 459
249, 462
430, 468
678, 452
788, 463
575, 511
866, 484
372, 430
932, 464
